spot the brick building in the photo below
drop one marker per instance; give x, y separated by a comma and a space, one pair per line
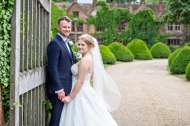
82, 11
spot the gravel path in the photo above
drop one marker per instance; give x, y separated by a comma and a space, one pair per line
150, 95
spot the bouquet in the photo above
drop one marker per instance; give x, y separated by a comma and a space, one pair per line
77, 55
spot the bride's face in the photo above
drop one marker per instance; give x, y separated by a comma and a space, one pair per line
82, 47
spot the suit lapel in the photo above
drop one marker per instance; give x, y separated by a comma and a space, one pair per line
65, 47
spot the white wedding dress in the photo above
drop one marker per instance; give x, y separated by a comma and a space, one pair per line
87, 108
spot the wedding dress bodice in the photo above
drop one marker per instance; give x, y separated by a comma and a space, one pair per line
74, 70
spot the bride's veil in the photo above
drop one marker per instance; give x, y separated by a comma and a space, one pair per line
103, 84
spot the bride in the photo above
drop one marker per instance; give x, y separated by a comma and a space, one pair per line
89, 104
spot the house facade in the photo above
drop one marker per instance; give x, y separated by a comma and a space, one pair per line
82, 11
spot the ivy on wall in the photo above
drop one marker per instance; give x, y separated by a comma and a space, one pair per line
108, 19
142, 25
6, 8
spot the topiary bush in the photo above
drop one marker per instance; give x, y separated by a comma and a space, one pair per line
121, 52
187, 44
139, 49
187, 72
173, 55
173, 48
107, 56
160, 50
180, 62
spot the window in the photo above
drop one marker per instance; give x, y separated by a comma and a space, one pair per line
72, 37
76, 14
78, 35
79, 27
99, 29
100, 41
73, 27
173, 42
178, 27
122, 26
170, 27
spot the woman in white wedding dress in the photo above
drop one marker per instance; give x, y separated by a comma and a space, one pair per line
90, 104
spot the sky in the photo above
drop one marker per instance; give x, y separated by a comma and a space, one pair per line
84, 1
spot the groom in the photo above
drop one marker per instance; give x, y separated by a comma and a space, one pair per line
59, 77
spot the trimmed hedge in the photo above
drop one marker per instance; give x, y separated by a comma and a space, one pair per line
139, 49
173, 55
187, 44
187, 72
160, 50
107, 56
121, 52
180, 62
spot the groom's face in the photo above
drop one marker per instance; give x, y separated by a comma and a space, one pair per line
64, 28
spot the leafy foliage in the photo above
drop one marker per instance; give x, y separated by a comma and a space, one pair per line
178, 11
108, 19
143, 28
173, 55
107, 56
139, 49
160, 50
121, 52
56, 13
187, 44
180, 62
6, 8
187, 72
122, 1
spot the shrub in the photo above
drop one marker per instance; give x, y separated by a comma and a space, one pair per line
107, 55
121, 52
173, 55
160, 50
187, 72
173, 48
180, 62
187, 44
139, 49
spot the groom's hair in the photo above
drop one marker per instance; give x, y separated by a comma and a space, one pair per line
66, 18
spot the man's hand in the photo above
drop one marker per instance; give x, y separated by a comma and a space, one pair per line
61, 95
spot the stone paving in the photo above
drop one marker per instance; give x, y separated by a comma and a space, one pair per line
150, 95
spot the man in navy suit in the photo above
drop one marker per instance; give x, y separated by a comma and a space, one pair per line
59, 76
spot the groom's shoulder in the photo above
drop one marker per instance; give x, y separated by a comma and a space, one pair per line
54, 41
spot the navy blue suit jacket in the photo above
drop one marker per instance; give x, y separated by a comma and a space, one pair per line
59, 74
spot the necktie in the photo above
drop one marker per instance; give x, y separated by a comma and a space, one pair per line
67, 42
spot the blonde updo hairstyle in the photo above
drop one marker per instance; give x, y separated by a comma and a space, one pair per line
87, 39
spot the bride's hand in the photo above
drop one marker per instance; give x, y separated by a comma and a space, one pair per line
67, 99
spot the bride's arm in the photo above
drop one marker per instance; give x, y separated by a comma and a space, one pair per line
83, 68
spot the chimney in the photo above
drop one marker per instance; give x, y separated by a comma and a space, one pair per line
160, 5
142, 1
94, 2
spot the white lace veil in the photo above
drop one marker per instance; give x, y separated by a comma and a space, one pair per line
103, 84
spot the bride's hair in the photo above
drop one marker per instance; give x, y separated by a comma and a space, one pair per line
87, 39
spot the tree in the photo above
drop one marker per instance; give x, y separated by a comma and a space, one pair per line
178, 11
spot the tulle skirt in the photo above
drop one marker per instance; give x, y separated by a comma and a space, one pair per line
86, 109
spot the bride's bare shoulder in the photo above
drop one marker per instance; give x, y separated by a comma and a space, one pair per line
86, 60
